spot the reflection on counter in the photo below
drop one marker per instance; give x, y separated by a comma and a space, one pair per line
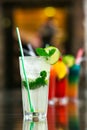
73, 116
51, 117
64, 117
61, 117
35, 125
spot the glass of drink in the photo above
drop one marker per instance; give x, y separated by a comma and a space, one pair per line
52, 86
37, 71
61, 82
73, 82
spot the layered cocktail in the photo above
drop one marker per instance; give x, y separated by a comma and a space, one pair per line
73, 75
73, 82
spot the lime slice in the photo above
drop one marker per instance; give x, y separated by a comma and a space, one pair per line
53, 57
69, 60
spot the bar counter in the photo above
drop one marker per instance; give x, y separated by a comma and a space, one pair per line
60, 117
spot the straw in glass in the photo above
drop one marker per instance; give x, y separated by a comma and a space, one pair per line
25, 76
31, 125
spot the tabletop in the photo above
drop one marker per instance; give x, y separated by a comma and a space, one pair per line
71, 116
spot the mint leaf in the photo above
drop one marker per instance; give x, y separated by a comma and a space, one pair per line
51, 52
24, 84
41, 52
43, 74
38, 82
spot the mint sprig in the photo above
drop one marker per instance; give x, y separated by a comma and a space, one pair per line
38, 82
43, 74
42, 52
51, 52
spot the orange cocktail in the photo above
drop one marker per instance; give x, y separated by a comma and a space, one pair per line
61, 82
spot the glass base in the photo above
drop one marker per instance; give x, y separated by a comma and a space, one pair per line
74, 100
51, 102
34, 116
62, 101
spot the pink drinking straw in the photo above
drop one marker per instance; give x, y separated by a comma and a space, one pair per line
79, 56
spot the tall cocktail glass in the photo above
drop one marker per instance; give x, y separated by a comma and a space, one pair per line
52, 86
38, 71
73, 82
61, 82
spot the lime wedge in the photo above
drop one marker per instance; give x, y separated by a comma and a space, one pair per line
54, 54
69, 60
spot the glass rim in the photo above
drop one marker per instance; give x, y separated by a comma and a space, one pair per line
33, 57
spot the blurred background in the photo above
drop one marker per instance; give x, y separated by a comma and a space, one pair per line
29, 16
68, 33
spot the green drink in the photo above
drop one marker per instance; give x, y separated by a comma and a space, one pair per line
37, 70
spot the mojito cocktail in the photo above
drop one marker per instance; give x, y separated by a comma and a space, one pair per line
37, 70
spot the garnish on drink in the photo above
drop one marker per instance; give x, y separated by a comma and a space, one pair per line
51, 53
69, 60
38, 82
60, 69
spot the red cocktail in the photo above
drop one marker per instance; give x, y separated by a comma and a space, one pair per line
61, 82
52, 85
